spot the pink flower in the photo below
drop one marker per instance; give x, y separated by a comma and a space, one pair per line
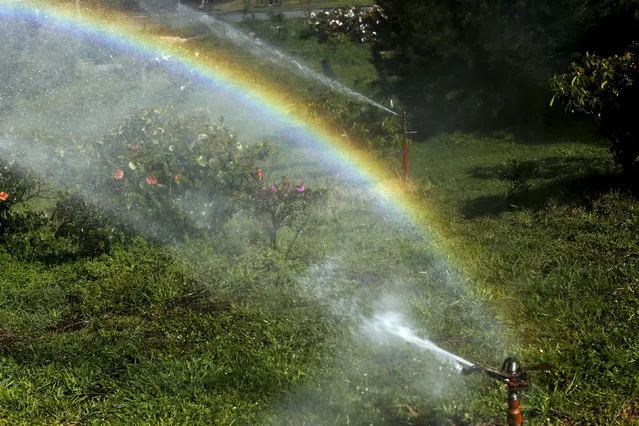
260, 173
4, 196
151, 180
178, 178
118, 174
272, 188
131, 146
300, 188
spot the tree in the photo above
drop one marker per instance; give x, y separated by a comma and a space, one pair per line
605, 89
478, 64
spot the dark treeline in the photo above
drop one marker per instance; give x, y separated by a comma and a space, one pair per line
485, 65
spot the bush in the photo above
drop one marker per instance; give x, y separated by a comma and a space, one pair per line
604, 88
160, 169
354, 23
358, 122
282, 205
86, 227
32, 238
75, 229
17, 186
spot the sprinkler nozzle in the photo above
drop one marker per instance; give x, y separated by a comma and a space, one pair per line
515, 377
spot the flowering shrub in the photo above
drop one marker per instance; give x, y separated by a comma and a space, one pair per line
358, 24
17, 185
185, 171
282, 204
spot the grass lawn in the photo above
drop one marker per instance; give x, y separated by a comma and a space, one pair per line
225, 330
561, 249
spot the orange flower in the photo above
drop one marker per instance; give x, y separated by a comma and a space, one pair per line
151, 180
4, 196
118, 174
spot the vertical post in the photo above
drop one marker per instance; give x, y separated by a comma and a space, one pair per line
405, 143
514, 417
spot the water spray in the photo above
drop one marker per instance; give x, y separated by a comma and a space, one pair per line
261, 49
515, 377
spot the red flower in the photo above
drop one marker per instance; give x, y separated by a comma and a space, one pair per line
260, 173
118, 174
4, 196
151, 180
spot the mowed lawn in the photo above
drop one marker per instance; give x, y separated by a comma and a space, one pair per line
556, 231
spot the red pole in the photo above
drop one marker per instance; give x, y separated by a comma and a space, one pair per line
514, 417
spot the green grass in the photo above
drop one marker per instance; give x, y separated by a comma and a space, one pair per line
561, 249
130, 338
224, 330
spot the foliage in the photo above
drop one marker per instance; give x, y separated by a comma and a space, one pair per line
282, 205
32, 238
604, 88
185, 170
355, 23
484, 65
73, 229
84, 225
361, 125
17, 185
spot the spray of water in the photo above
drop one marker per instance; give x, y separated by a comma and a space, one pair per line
392, 323
263, 50
388, 323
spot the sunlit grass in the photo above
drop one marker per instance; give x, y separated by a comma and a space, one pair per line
224, 330
560, 248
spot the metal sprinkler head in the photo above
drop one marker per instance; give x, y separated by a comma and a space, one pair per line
515, 377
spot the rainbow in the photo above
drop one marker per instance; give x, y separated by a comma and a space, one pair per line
260, 96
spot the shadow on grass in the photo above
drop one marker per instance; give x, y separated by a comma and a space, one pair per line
564, 181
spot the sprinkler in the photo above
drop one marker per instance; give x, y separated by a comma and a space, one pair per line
515, 377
